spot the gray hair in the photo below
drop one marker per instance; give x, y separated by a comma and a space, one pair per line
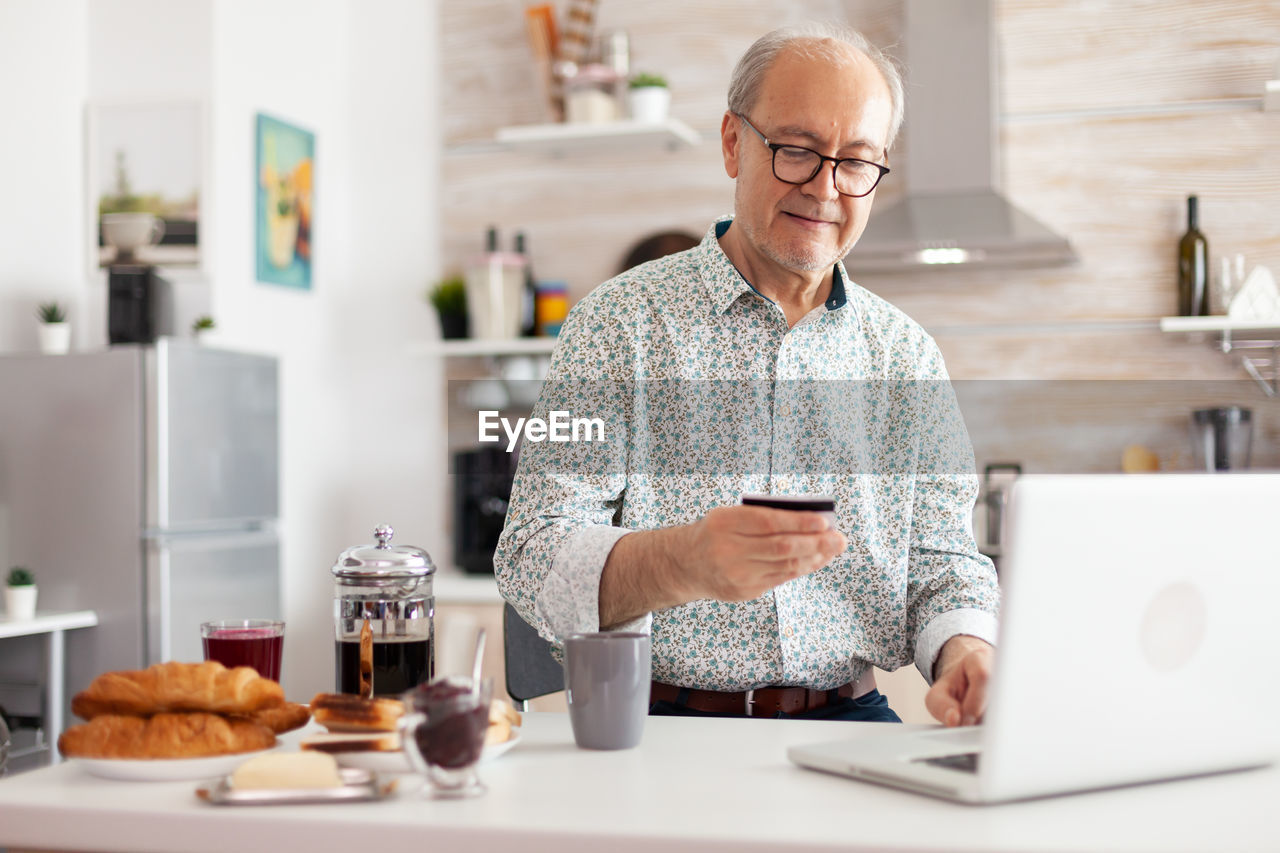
816, 40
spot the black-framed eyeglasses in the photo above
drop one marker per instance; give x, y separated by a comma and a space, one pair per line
795, 164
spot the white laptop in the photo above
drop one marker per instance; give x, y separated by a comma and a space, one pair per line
1136, 645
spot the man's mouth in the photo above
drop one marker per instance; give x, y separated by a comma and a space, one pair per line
808, 220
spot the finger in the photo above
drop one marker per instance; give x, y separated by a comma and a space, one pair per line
942, 704
974, 704
781, 572
834, 542
763, 520
785, 547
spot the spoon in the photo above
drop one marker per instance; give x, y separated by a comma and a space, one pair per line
475, 667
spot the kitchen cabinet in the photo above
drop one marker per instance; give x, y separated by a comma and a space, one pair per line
465, 603
51, 627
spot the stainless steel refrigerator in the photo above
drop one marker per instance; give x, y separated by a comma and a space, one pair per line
141, 481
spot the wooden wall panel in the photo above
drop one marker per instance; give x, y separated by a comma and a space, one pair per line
1092, 54
486, 59
1116, 188
1114, 111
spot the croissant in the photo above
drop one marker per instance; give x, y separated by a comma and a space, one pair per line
173, 686
190, 735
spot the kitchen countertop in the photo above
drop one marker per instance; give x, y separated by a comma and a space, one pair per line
704, 784
454, 586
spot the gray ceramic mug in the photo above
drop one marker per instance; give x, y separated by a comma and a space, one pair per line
606, 679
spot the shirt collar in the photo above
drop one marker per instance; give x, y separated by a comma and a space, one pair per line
725, 284
720, 277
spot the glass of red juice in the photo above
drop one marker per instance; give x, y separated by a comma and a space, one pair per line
258, 643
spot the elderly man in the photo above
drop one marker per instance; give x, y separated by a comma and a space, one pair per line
752, 363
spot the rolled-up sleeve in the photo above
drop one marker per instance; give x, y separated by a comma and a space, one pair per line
952, 588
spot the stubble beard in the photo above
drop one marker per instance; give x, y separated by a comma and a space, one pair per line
800, 259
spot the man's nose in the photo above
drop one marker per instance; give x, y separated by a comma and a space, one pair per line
823, 184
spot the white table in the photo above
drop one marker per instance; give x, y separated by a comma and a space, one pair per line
693, 784
53, 625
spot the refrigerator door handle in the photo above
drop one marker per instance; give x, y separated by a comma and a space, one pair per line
256, 534
175, 560
157, 630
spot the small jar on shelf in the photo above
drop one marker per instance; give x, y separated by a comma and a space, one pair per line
552, 307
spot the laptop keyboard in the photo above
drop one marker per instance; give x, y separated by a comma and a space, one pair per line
966, 762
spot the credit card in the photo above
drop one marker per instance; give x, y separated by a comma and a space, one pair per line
824, 504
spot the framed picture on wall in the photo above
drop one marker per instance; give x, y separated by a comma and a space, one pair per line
285, 163
146, 168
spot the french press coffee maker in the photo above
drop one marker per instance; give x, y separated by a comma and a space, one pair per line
384, 615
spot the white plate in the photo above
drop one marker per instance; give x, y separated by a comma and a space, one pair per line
398, 762
164, 769
492, 751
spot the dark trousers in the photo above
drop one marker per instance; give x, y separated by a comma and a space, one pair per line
870, 707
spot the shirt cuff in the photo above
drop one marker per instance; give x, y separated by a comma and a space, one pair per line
569, 601
968, 620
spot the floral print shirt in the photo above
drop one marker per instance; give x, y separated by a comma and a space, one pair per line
704, 394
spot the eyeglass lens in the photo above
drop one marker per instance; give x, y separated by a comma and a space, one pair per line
799, 165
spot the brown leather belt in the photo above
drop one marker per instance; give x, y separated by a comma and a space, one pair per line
761, 702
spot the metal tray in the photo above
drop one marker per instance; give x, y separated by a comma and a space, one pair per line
357, 786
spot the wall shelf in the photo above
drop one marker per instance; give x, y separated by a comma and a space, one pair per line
561, 138
481, 347
1245, 335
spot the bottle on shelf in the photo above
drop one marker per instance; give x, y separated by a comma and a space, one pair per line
528, 309
495, 291
1193, 266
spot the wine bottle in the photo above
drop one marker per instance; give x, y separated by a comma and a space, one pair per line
528, 310
1193, 266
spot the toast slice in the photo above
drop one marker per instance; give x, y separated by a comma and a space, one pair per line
344, 712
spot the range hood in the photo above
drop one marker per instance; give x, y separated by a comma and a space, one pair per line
953, 212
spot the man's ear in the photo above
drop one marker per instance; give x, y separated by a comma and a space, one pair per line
729, 140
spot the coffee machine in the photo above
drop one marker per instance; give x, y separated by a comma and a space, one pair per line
481, 489
139, 304
1221, 438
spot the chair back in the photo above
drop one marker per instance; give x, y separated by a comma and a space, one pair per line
531, 669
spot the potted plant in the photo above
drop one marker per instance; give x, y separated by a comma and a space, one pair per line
450, 300
54, 330
648, 98
20, 594
201, 326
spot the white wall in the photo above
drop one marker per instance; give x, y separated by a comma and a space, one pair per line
356, 408
359, 419
43, 76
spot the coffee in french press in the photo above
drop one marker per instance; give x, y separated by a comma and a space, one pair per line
384, 612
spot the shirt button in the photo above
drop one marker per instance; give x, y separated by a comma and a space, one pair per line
789, 631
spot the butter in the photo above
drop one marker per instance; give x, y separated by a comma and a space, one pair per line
288, 770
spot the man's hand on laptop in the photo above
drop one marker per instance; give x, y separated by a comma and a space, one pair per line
959, 693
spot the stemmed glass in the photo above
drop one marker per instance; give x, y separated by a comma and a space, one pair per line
1230, 281
443, 734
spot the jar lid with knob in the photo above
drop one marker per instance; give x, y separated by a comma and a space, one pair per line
384, 611
363, 565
